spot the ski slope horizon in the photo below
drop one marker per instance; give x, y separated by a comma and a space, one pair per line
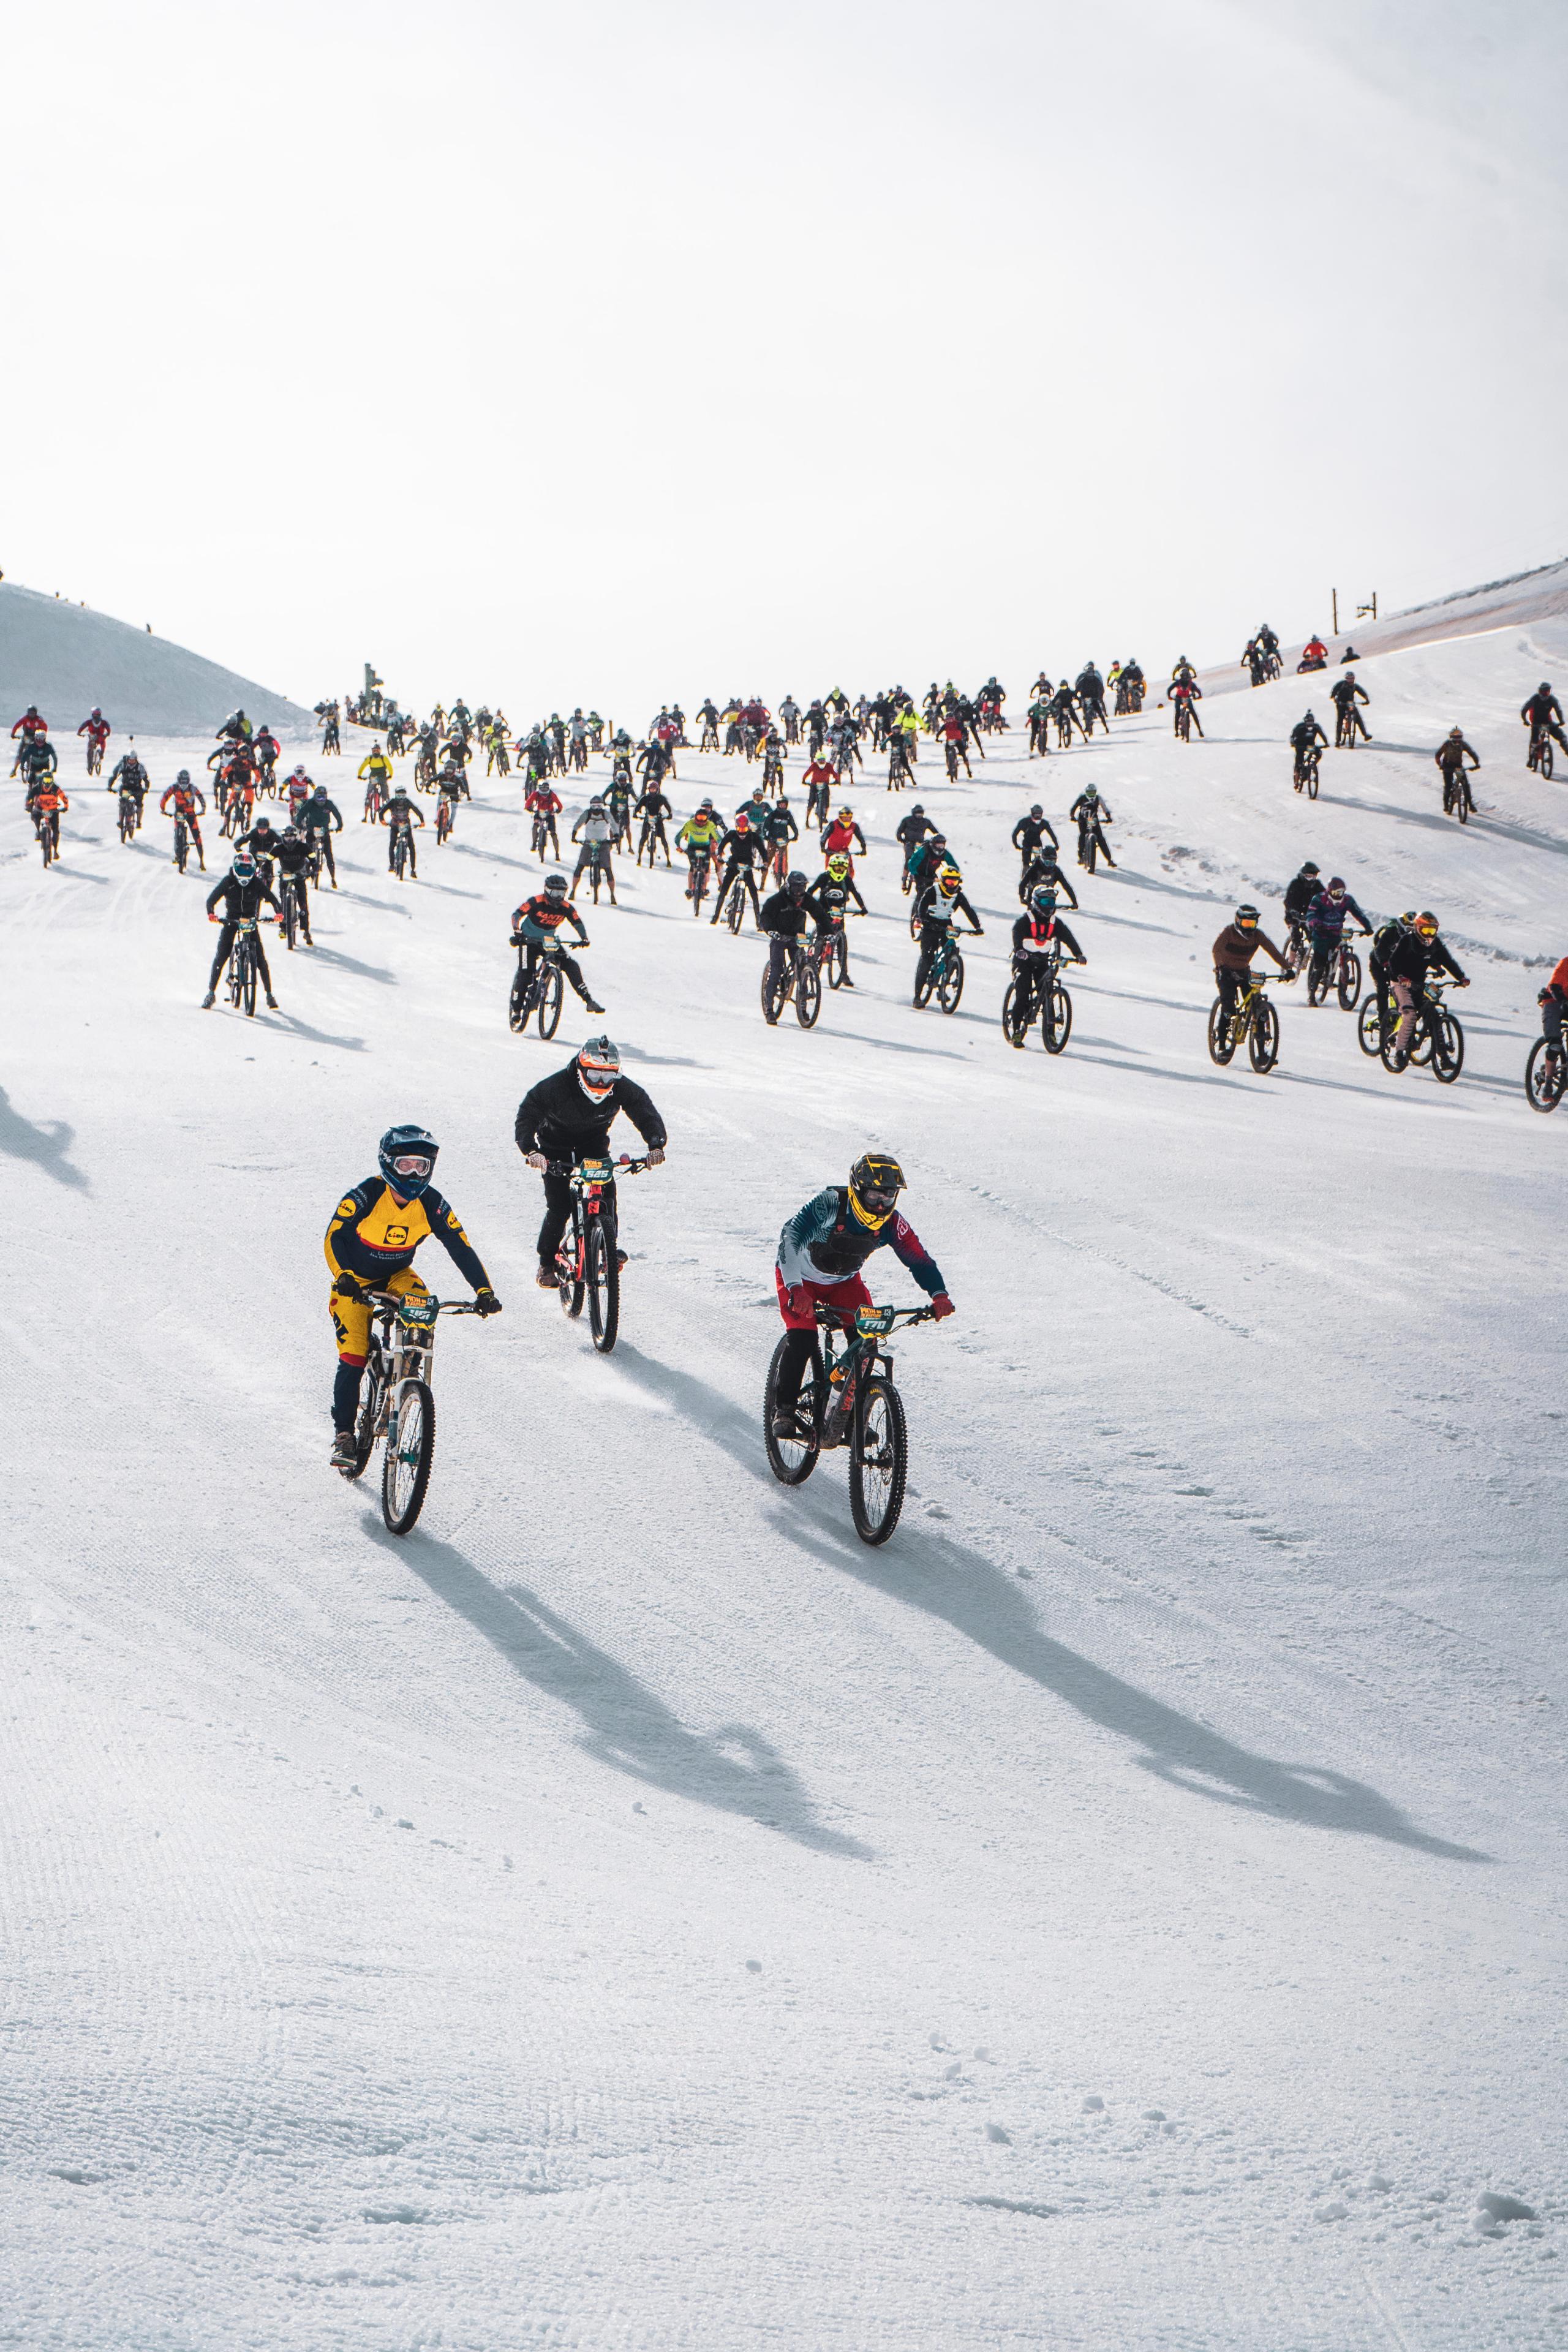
1127, 1910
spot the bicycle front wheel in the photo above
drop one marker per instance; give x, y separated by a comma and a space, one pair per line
1448, 1050
1056, 1018
1016, 1012
735, 912
1350, 981
1543, 1078
604, 1285
791, 1460
950, 987
807, 992
879, 1460
1369, 1028
1263, 1039
247, 981
405, 1465
549, 1002
1312, 780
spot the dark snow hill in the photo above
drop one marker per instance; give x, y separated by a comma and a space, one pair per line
66, 658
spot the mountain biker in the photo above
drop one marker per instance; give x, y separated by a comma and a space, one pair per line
1031, 830
779, 829
1542, 714
265, 746
189, 803
235, 728
699, 837
925, 858
1417, 951
370, 1244
293, 855
593, 832
911, 830
28, 727
1091, 813
539, 920
652, 810
1449, 757
47, 802
1552, 1001
827, 903
130, 781
97, 730
1040, 932
742, 850
378, 768
298, 790
1314, 655
819, 776
1384, 939
843, 834
317, 819
1303, 735
1344, 694
244, 893
1043, 867
939, 902
1325, 921
783, 921
821, 1252
1233, 952
567, 1117
263, 842
400, 816
1184, 695
543, 802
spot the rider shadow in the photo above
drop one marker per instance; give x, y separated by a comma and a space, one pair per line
985, 1604
320, 954
290, 1025
45, 1144
626, 1725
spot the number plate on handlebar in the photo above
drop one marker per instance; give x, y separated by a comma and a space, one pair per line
594, 1171
418, 1314
870, 1321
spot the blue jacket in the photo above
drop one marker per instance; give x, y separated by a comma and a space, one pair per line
825, 1241
1327, 915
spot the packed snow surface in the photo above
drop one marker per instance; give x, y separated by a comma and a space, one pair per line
1127, 1910
65, 659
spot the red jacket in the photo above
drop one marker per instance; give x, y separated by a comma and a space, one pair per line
32, 725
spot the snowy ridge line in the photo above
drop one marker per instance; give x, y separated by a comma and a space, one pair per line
1105, 1257
1486, 588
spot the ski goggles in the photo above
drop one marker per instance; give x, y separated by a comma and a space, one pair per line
413, 1163
877, 1198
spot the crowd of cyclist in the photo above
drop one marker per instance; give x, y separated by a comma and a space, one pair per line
743, 860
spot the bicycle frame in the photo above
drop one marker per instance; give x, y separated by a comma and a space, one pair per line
862, 1354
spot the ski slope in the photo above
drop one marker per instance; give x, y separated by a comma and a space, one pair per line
1128, 1910
65, 659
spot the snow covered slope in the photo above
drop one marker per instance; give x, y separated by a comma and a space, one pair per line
1526, 600
1126, 1911
65, 659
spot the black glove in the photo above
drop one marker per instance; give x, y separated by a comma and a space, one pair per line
485, 1303
348, 1286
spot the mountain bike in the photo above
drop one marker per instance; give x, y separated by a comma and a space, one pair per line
1458, 798
944, 973
296, 913
375, 799
1036, 988
830, 952
48, 825
95, 758
1545, 1075
1310, 762
181, 841
544, 830
129, 813
801, 979
848, 1399
1539, 762
588, 1261
1090, 841
1342, 973
395, 1401
446, 817
243, 966
1184, 722
1254, 1019
540, 994
733, 910
1438, 1042
402, 848
697, 887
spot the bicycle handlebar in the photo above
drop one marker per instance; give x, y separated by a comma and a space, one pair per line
828, 1316
624, 1166
389, 1301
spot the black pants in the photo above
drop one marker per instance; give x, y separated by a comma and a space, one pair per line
1231, 984
568, 964
324, 839
558, 1214
800, 1348
407, 832
226, 939
749, 878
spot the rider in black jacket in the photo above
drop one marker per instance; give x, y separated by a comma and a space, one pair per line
567, 1117
244, 894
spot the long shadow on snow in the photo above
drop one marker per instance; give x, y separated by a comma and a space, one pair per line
1434, 822
352, 963
983, 1602
733, 1768
289, 1025
44, 1145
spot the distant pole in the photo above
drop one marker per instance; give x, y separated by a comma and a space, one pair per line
1334, 594
1374, 603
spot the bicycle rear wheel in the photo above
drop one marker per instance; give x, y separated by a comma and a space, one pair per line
1544, 1081
1056, 1018
549, 1002
369, 1414
1222, 1035
807, 992
792, 1460
405, 1464
879, 1460
950, 987
604, 1285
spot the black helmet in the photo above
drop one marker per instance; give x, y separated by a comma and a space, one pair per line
795, 883
183, 777
406, 1158
555, 886
1246, 916
1308, 867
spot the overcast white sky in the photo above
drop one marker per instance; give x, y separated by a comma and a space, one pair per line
654, 347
